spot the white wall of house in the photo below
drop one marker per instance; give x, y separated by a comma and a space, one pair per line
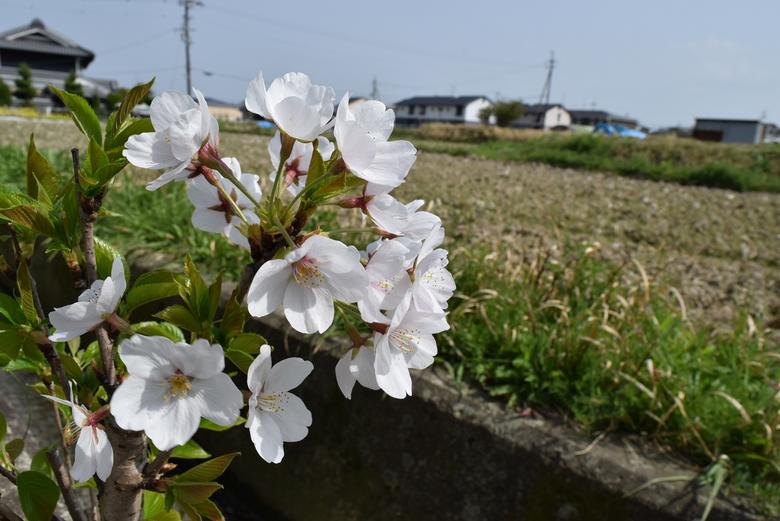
557, 117
471, 113
430, 113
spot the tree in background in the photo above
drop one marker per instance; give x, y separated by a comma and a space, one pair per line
5, 94
505, 112
72, 85
24, 85
114, 98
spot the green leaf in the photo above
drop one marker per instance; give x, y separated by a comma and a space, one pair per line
195, 292
40, 174
25, 211
95, 160
154, 503
25, 291
133, 127
104, 255
40, 462
11, 341
190, 511
38, 495
152, 286
13, 448
72, 368
248, 343
10, 309
208, 470
210, 510
180, 316
82, 114
3, 426
170, 515
159, 329
240, 359
211, 426
215, 294
194, 493
108, 171
316, 169
131, 99
190, 450
233, 319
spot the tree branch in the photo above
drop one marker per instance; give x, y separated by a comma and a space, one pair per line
66, 486
6, 514
8, 474
153, 468
122, 496
89, 209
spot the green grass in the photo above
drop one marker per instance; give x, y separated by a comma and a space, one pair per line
563, 332
735, 167
568, 333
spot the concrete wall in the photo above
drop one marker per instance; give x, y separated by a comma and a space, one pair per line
732, 131
448, 454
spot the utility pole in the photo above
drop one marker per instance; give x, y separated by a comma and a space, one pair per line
374, 89
550, 65
187, 38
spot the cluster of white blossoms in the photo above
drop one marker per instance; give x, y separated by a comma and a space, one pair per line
394, 289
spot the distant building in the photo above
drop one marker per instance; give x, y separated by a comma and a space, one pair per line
225, 111
52, 57
445, 109
736, 131
591, 118
544, 116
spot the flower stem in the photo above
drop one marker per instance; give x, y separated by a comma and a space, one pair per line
228, 174
221, 189
286, 235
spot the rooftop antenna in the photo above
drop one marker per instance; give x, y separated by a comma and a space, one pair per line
187, 38
375, 89
544, 97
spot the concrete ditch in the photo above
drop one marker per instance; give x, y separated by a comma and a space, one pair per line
450, 453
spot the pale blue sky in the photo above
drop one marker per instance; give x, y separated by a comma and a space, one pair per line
662, 61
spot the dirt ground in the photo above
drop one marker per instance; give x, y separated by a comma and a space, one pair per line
720, 249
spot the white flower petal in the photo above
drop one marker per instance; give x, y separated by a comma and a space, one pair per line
255, 97
267, 438
104, 454
288, 374
147, 357
391, 163
136, 400
344, 377
266, 292
259, 369
308, 310
174, 424
73, 320
167, 107
219, 398
294, 419
149, 150
85, 460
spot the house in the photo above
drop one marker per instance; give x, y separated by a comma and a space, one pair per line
550, 116
224, 111
51, 57
736, 131
591, 118
442, 109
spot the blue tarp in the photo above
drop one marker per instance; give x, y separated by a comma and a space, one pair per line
618, 130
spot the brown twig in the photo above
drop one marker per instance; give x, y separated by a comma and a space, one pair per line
89, 209
62, 476
10, 475
153, 468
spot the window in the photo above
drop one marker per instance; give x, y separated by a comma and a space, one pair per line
459, 110
422, 110
411, 109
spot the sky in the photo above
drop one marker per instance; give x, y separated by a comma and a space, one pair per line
664, 62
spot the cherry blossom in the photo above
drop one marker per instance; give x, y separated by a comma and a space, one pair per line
300, 109
94, 305
213, 213
385, 268
181, 128
94, 454
276, 415
405, 343
297, 165
362, 138
356, 365
171, 386
307, 281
